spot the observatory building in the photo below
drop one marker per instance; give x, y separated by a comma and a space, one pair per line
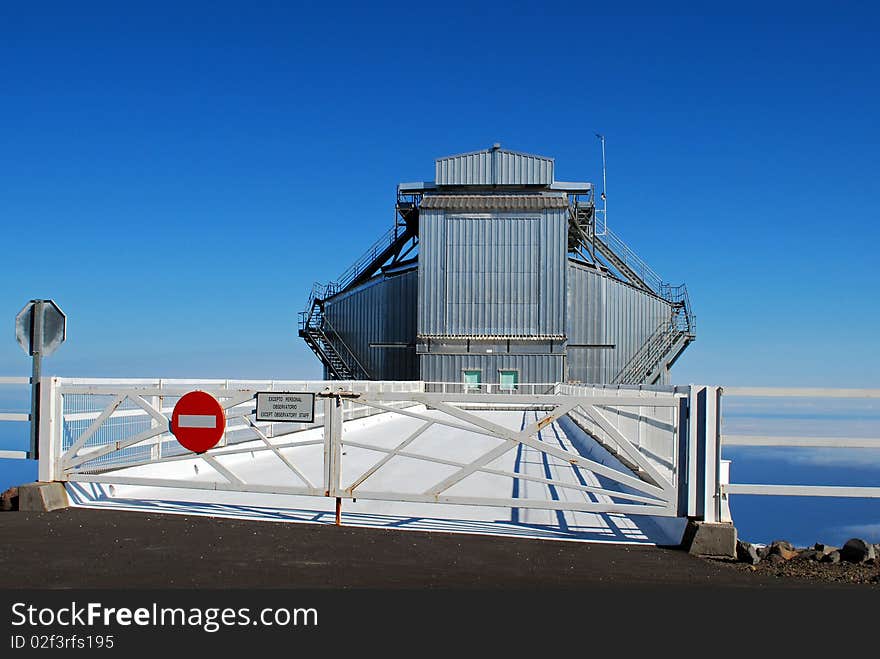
496, 274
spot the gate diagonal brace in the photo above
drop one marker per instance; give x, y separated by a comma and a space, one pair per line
391, 454
582, 420
631, 451
579, 460
278, 453
479, 425
503, 473
92, 429
485, 427
513, 438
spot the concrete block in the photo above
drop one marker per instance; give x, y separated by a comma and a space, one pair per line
42, 497
710, 539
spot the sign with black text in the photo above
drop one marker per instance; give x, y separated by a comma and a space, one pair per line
285, 407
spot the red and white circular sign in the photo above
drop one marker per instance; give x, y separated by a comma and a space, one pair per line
198, 421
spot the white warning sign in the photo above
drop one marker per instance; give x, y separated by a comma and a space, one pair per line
285, 407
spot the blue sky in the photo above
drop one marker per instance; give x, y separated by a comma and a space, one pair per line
184, 174
176, 175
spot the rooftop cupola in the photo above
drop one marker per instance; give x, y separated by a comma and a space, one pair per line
494, 166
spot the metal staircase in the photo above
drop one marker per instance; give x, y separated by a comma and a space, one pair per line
314, 326
657, 354
341, 363
592, 238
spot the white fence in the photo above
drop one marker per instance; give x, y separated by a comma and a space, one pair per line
818, 399
15, 417
435, 446
653, 450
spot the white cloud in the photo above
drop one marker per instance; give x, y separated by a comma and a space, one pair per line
869, 532
816, 457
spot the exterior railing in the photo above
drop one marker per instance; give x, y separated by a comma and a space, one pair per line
365, 259
675, 294
345, 353
323, 291
632, 260
815, 401
527, 388
673, 437
15, 417
307, 317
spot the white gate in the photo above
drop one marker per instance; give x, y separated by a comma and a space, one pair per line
480, 447
583, 448
630, 450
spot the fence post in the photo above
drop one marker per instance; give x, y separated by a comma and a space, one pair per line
711, 459
684, 424
332, 444
723, 504
51, 430
156, 448
704, 455
692, 453
328, 442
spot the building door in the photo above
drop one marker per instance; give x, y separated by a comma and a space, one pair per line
472, 379
508, 379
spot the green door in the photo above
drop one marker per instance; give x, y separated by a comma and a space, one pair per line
472, 379
509, 380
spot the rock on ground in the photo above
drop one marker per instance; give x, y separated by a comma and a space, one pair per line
9, 499
857, 550
833, 557
746, 552
784, 549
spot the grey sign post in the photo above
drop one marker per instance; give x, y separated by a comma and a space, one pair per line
39, 329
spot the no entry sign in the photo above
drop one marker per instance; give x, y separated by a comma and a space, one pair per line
198, 421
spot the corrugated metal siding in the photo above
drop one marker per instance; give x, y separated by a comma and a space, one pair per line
380, 312
523, 169
432, 273
603, 310
554, 272
466, 169
496, 276
532, 368
492, 274
494, 167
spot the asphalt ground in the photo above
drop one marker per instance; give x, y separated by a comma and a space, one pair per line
393, 591
81, 548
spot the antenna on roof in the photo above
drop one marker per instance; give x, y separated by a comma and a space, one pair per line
604, 187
